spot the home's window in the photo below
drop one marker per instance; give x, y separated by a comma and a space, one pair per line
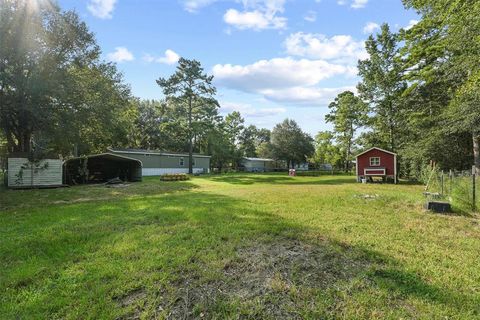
374, 161
182, 162
193, 162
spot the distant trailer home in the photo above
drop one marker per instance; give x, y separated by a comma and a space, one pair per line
376, 162
156, 162
258, 165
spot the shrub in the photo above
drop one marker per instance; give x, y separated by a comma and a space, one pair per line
174, 177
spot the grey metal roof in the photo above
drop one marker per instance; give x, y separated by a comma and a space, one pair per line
157, 152
106, 156
259, 159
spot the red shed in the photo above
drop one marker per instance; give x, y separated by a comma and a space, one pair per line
376, 162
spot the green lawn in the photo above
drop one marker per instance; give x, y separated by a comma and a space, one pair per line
235, 246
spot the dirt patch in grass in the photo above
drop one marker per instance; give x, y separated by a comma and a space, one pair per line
131, 301
267, 280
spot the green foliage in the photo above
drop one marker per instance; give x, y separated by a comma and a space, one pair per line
290, 143
382, 86
347, 113
52, 83
442, 54
231, 140
265, 150
327, 152
192, 92
220, 147
248, 141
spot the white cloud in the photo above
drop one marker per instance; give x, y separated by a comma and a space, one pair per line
170, 57
256, 20
311, 16
411, 24
101, 8
358, 4
305, 95
355, 4
371, 27
339, 48
248, 110
277, 73
282, 79
257, 15
121, 54
195, 5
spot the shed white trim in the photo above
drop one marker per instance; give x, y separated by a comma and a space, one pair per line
366, 170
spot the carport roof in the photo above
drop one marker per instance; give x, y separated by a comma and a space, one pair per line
107, 155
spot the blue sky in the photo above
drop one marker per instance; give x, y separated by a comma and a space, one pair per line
271, 59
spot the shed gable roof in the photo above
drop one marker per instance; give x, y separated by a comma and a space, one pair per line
375, 148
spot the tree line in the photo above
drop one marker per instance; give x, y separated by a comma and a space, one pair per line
418, 96
58, 97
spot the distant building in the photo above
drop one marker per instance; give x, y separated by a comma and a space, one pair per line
301, 166
155, 163
257, 164
325, 167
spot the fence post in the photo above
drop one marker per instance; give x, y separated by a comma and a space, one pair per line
442, 180
474, 172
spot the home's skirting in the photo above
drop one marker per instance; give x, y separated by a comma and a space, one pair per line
159, 171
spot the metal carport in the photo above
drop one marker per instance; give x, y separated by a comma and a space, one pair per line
101, 168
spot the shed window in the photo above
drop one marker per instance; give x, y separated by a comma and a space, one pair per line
182, 162
374, 161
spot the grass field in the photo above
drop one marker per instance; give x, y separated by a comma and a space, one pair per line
236, 246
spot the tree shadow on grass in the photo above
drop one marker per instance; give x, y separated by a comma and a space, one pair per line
190, 255
37, 198
248, 179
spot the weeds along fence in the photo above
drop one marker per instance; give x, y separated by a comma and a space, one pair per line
460, 188
317, 173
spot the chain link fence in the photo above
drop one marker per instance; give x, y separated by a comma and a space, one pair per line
460, 188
